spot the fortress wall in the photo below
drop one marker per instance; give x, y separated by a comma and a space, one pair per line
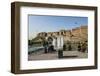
76, 34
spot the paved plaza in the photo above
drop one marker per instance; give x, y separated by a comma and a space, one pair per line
54, 55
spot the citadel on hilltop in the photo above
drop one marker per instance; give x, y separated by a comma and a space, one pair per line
79, 34
73, 38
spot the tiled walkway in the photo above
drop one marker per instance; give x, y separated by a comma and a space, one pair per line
51, 56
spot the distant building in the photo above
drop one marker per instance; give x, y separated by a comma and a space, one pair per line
63, 37
76, 34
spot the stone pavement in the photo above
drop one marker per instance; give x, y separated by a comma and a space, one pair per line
54, 55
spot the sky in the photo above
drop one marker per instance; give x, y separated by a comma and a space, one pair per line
44, 23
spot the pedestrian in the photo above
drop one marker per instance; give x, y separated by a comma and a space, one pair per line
64, 47
45, 45
69, 47
79, 47
84, 47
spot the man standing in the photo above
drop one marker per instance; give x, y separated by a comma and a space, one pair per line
79, 47
45, 45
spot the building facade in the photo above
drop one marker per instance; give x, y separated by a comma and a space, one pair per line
66, 37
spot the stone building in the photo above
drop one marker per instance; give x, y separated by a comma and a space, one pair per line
66, 37
76, 34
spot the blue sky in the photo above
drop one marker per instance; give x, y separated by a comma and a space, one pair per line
40, 23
